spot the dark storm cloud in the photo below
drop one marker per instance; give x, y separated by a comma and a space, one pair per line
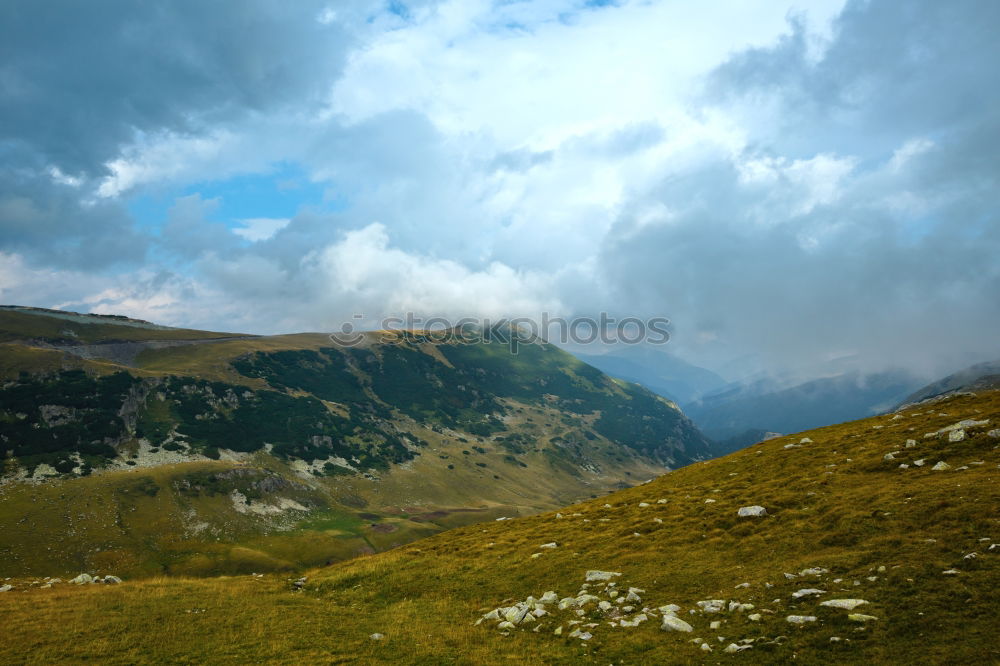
79, 79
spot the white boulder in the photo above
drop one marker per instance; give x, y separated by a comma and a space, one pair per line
846, 604
751, 511
674, 623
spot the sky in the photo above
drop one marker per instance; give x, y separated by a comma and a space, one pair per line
797, 185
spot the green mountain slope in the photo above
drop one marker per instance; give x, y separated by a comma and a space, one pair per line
858, 512
339, 449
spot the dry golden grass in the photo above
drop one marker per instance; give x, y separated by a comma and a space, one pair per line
853, 518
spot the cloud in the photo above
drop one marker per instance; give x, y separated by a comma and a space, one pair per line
260, 228
788, 182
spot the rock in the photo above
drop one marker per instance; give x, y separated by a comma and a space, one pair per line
738, 607
82, 579
634, 622
705, 647
941, 466
643, 505
492, 615
956, 435
505, 625
754, 617
741, 585
714, 624
805, 440
846, 604
669, 609
674, 623
516, 614
814, 571
807, 592
994, 434
633, 595
549, 545
888, 456
861, 617
549, 597
604, 606
558, 631
712, 605
594, 575
950, 572
733, 648
920, 463
377, 636
112, 580
800, 619
751, 511
6, 588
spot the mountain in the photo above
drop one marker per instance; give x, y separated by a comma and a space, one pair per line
760, 406
659, 371
860, 557
154, 450
974, 378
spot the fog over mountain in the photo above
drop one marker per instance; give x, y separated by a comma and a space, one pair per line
802, 188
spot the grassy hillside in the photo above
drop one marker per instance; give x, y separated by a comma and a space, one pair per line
395, 439
843, 517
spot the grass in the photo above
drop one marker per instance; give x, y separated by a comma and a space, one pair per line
833, 503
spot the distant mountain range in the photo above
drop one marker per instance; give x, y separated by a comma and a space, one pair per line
741, 413
657, 370
976, 377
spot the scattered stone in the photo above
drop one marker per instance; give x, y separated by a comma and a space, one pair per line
941, 466
714, 624
549, 545
919, 463
82, 579
754, 617
377, 636
6, 588
805, 440
814, 571
112, 580
806, 592
910, 443
752, 511
950, 572
956, 435
846, 604
674, 623
594, 575
706, 647
742, 585
669, 609
549, 597
712, 605
993, 433
861, 617
800, 619
733, 648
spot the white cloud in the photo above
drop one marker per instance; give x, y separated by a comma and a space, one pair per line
363, 270
257, 229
